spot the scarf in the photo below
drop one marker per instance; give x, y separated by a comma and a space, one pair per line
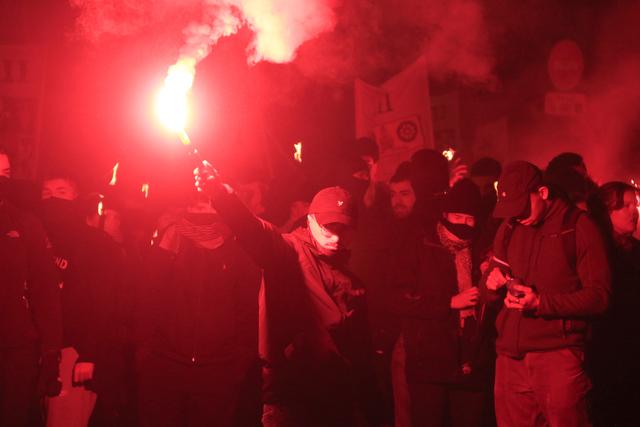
461, 250
207, 236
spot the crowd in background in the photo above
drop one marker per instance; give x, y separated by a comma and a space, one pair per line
451, 295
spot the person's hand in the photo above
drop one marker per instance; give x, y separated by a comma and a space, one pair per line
465, 299
457, 172
206, 177
83, 371
48, 381
496, 279
522, 298
373, 172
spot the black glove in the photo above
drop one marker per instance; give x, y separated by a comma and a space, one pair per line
48, 382
207, 178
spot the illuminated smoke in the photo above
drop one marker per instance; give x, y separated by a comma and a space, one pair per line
607, 134
102, 18
279, 26
346, 38
373, 40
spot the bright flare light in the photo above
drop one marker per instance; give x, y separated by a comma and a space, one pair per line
145, 190
114, 174
449, 153
100, 208
172, 106
297, 155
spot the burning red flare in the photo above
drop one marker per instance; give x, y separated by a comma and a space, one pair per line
114, 174
297, 155
172, 103
449, 153
100, 207
145, 190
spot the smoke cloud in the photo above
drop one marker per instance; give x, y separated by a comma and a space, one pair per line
373, 40
338, 39
279, 26
607, 134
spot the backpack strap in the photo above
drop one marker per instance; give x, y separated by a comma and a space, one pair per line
568, 234
501, 253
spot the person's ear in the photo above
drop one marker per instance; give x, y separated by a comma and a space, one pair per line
544, 192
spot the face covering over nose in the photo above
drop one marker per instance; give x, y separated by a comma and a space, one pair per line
60, 212
461, 231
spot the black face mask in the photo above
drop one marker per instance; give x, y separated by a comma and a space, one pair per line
202, 218
461, 231
60, 212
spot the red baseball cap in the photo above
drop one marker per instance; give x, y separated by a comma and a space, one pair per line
333, 204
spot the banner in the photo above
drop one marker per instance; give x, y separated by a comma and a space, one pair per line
397, 115
21, 93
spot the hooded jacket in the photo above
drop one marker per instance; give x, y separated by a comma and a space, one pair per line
314, 335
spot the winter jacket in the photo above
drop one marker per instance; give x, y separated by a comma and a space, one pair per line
29, 294
200, 306
436, 345
569, 294
90, 270
313, 323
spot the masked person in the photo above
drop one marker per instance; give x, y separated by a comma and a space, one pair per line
435, 278
198, 325
551, 274
30, 323
90, 270
314, 335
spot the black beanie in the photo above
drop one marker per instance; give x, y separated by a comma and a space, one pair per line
464, 197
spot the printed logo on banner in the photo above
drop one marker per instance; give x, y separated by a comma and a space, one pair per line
407, 131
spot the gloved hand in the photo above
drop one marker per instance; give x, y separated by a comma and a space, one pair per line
207, 178
48, 382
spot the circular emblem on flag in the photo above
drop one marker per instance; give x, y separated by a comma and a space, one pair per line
407, 131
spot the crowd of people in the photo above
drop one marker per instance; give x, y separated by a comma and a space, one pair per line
451, 295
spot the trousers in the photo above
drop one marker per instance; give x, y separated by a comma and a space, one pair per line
542, 389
